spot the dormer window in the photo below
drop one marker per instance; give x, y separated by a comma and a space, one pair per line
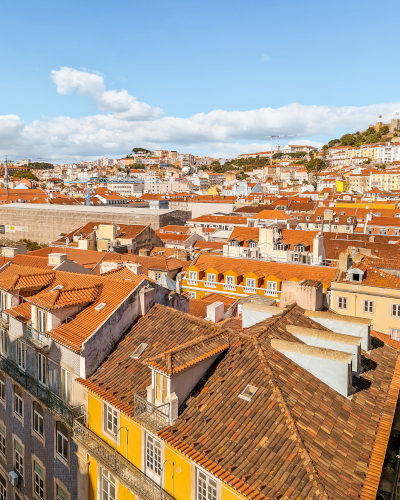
300, 248
298, 217
307, 217
279, 246
348, 219
252, 244
336, 219
341, 213
356, 275
234, 243
41, 321
161, 388
318, 218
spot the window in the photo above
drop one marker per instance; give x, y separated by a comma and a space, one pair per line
41, 320
206, 487
2, 440
66, 385
248, 393
3, 342
211, 277
2, 387
279, 246
19, 458
3, 488
272, 285
42, 368
234, 243
250, 283
157, 275
62, 440
356, 277
395, 334
18, 409
153, 456
139, 350
3, 301
252, 244
110, 419
38, 426
39, 480
21, 354
107, 485
396, 310
61, 494
368, 306
230, 280
193, 275
342, 303
161, 387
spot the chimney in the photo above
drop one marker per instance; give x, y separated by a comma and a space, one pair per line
310, 295
215, 312
55, 259
134, 266
144, 252
344, 261
330, 340
329, 366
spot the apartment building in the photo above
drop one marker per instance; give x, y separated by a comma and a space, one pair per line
127, 187
212, 413
55, 328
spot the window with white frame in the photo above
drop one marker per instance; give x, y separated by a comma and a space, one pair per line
252, 244
230, 280
206, 486
396, 310
3, 487
66, 385
107, 485
342, 302
2, 387
272, 285
161, 387
157, 275
3, 440
193, 275
21, 354
153, 457
18, 401
61, 493
19, 458
3, 342
368, 306
234, 243
41, 320
110, 419
3, 301
38, 480
250, 283
38, 419
395, 334
42, 368
212, 278
62, 440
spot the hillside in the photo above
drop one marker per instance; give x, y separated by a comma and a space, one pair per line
369, 136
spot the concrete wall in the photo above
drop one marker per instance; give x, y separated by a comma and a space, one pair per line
43, 223
255, 313
199, 209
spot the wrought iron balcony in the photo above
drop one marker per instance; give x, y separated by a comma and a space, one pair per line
153, 417
130, 476
45, 395
39, 339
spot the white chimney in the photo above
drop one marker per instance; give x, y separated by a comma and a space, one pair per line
330, 340
215, 312
331, 367
55, 259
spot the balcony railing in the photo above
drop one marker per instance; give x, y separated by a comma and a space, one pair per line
130, 476
210, 284
272, 293
229, 287
192, 282
153, 417
39, 339
249, 289
45, 395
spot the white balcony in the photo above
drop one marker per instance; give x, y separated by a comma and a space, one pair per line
192, 282
271, 293
229, 287
248, 289
210, 284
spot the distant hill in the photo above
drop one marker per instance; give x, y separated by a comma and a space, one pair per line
371, 135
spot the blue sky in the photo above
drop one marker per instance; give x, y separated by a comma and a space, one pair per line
338, 60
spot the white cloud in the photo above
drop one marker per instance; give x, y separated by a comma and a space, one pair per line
126, 122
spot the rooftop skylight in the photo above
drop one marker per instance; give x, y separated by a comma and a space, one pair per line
248, 393
139, 351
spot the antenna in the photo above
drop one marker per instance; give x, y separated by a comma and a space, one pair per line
6, 177
273, 137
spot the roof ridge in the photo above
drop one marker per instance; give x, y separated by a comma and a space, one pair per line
289, 419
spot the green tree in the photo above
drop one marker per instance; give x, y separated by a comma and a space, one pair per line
31, 245
333, 143
136, 150
41, 166
23, 174
310, 166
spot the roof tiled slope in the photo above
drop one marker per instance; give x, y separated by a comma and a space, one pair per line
373, 277
297, 438
58, 299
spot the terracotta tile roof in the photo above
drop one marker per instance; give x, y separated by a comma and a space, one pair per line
372, 277
223, 219
386, 338
22, 312
198, 307
272, 215
58, 299
23, 278
124, 273
32, 261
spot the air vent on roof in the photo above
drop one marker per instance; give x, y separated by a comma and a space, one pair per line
101, 306
248, 393
139, 350
58, 287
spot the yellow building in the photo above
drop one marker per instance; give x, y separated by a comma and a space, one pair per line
233, 277
369, 293
342, 186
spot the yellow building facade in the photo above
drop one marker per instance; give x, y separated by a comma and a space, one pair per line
136, 463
